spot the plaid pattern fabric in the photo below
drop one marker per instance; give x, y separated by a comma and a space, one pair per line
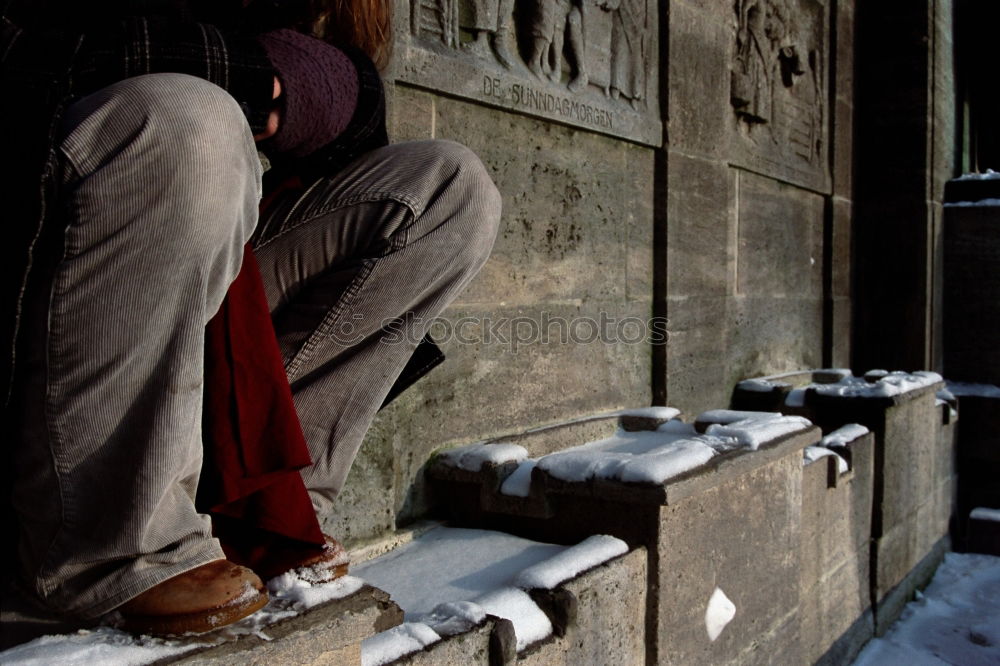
142, 45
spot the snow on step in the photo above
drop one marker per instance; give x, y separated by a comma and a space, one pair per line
893, 383
644, 456
448, 579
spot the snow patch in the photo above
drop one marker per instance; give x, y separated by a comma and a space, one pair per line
726, 416
587, 554
518, 484
984, 513
300, 594
893, 383
642, 456
811, 454
103, 645
448, 579
844, 435
761, 385
472, 457
751, 433
989, 174
530, 623
664, 413
979, 390
954, 621
988, 202
796, 398
719, 613
394, 643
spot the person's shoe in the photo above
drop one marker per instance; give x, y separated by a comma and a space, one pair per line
314, 566
204, 598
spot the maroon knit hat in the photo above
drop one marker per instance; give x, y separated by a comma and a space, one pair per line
320, 90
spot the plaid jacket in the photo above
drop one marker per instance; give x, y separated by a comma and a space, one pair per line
55, 51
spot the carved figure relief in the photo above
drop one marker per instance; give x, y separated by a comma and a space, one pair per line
574, 44
776, 79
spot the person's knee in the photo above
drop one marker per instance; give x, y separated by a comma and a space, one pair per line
181, 136
479, 201
195, 119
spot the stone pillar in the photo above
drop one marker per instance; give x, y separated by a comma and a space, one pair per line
905, 127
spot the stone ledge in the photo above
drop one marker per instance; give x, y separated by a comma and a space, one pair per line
330, 633
583, 631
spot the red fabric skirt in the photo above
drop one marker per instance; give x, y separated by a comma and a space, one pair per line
254, 445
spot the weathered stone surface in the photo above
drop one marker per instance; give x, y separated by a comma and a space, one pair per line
470, 647
892, 601
700, 215
327, 634
741, 536
695, 373
771, 335
834, 590
609, 622
698, 110
780, 240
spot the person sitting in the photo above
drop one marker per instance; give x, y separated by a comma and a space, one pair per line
162, 317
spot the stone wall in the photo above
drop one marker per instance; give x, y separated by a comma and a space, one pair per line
687, 167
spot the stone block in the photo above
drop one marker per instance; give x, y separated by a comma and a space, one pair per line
841, 309
843, 148
971, 293
770, 335
840, 248
700, 217
571, 199
608, 623
526, 387
891, 601
732, 523
740, 536
698, 106
780, 240
410, 114
696, 375
912, 486
606, 82
470, 647
978, 460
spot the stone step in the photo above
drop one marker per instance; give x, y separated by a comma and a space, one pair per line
484, 597
984, 531
717, 507
302, 624
914, 470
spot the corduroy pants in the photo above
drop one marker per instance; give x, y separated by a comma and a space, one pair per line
160, 186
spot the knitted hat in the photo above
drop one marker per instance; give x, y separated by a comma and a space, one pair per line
320, 90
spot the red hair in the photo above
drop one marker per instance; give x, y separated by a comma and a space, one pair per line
365, 24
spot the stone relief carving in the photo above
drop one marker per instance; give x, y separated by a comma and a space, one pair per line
776, 79
577, 45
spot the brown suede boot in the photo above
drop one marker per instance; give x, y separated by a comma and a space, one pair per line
204, 598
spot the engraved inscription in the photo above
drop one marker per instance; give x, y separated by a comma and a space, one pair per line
584, 62
776, 86
522, 96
